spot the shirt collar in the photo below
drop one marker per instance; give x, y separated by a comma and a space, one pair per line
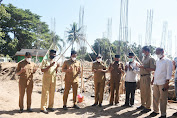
163, 58
72, 60
148, 55
116, 63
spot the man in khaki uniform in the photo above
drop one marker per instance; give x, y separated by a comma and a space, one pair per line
25, 70
145, 79
71, 68
49, 67
116, 69
99, 70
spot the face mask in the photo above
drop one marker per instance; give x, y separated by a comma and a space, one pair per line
159, 56
131, 59
51, 56
117, 62
73, 58
28, 60
99, 60
143, 54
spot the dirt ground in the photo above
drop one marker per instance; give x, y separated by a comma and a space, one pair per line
9, 101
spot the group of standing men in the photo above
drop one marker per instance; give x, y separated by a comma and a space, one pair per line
162, 70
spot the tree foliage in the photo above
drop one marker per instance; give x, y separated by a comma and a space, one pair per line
74, 34
24, 30
104, 47
3, 14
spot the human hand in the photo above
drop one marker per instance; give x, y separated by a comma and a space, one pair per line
23, 70
70, 69
52, 64
111, 68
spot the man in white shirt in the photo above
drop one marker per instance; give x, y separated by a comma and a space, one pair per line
132, 70
175, 69
162, 75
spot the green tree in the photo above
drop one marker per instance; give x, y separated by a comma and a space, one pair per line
46, 41
3, 14
74, 34
82, 53
21, 30
101, 46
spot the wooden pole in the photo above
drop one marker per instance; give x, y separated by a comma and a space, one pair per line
47, 53
36, 57
90, 57
135, 55
65, 51
81, 78
90, 46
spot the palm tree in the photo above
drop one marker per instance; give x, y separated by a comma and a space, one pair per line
56, 41
74, 34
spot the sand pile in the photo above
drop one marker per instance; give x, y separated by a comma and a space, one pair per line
7, 71
171, 90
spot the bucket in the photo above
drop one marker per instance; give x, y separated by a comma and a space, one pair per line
80, 98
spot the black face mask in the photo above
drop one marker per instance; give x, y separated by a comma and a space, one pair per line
117, 62
51, 56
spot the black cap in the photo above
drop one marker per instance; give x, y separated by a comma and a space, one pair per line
131, 54
52, 51
73, 52
117, 56
99, 56
28, 54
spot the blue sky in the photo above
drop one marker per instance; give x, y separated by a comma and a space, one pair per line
97, 13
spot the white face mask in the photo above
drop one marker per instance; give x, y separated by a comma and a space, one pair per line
130, 59
99, 60
73, 58
28, 60
143, 54
159, 56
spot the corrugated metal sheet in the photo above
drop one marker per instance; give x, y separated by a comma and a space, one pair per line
22, 52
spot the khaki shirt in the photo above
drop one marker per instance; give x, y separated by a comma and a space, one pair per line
99, 76
51, 73
29, 67
74, 75
148, 62
116, 73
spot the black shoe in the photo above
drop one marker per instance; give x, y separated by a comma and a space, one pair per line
29, 110
153, 114
141, 107
116, 103
51, 109
44, 111
76, 107
126, 105
21, 111
100, 105
163, 116
65, 108
131, 105
146, 110
175, 114
110, 104
94, 104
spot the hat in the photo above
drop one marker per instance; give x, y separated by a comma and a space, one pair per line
52, 51
99, 56
117, 56
73, 52
131, 54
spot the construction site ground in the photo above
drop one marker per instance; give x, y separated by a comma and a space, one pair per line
9, 97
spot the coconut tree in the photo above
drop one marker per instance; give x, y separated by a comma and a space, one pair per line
74, 34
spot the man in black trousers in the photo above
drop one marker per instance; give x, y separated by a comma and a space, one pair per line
132, 70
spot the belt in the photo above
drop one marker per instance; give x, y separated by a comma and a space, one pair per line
144, 75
